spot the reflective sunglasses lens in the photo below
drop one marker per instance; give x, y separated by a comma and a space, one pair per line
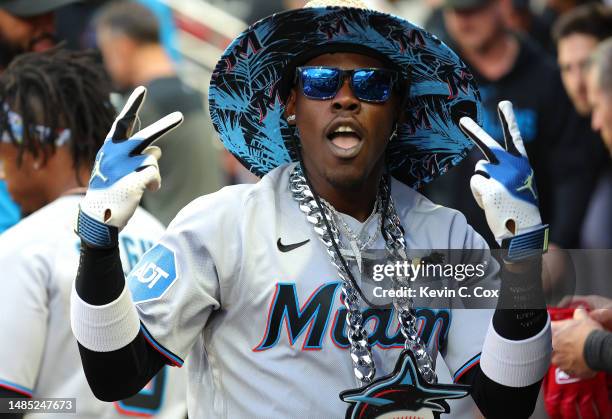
320, 83
372, 85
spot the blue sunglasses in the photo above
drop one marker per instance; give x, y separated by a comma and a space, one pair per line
368, 84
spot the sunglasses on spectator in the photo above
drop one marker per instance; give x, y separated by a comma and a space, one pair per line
372, 85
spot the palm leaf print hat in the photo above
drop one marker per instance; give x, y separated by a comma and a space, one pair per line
247, 101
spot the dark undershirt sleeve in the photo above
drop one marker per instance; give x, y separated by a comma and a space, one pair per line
100, 278
498, 401
519, 316
598, 351
521, 311
122, 373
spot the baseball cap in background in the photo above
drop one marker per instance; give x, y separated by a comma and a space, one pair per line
28, 8
465, 4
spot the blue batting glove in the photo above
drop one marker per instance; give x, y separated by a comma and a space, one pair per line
503, 184
124, 167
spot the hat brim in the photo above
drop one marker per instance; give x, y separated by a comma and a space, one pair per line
28, 8
247, 107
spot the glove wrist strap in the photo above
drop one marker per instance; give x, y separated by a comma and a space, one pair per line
527, 245
96, 234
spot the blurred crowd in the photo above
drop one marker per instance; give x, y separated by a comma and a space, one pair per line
551, 58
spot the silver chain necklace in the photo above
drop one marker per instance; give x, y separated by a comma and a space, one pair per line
360, 349
353, 238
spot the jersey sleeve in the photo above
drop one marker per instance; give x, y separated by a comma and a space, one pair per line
176, 285
470, 320
24, 311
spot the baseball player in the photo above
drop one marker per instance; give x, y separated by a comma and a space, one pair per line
54, 116
257, 285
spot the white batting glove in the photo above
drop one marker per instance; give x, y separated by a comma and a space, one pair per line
503, 184
125, 165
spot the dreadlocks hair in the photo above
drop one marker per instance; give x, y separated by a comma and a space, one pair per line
58, 89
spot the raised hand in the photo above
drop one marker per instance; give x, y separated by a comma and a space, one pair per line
125, 165
503, 184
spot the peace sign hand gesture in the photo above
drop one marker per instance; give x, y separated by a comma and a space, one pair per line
125, 166
503, 184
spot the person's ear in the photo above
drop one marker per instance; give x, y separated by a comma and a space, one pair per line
31, 161
290, 107
40, 158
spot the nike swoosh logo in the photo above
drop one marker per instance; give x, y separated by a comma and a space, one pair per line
289, 247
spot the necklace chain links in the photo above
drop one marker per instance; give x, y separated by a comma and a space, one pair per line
350, 234
360, 349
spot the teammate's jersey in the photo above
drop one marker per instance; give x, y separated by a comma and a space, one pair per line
39, 258
9, 212
260, 318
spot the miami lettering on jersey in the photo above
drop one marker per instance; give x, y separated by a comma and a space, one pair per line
313, 318
153, 274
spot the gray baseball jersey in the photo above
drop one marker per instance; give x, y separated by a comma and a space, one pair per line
40, 358
260, 317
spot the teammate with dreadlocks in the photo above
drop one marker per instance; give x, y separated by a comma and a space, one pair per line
25, 26
260, 284
54, 116
71, 89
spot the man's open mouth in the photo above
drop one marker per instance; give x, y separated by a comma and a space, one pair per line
345, 140
344, 137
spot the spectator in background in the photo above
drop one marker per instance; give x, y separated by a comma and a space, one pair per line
556, 8
73, 24
167, 27
129, 39
435, 21
577, 34
584, 344
519, 17
575, 386
511, 67
25, 25
599, 88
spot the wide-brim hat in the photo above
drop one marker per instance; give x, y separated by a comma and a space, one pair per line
28, 8
246, 92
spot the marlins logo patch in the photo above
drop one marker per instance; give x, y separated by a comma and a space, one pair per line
153, 275
402, 394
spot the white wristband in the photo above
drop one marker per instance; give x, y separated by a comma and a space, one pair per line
516, 363
107, 327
